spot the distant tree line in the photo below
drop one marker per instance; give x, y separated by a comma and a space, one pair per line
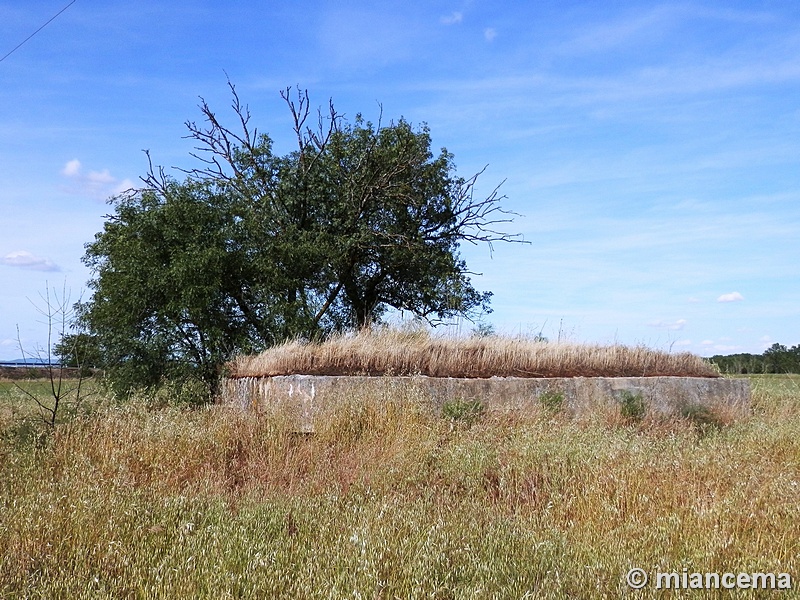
776, 359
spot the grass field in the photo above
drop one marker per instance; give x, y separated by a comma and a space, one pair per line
150, 500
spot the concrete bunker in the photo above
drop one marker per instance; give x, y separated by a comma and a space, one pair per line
306, 398
501, 375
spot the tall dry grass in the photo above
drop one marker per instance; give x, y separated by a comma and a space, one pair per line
388, 500
392, 352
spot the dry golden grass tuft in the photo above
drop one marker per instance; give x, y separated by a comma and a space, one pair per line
392, 352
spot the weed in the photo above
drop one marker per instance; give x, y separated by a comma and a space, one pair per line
703, 417
632, 406
552, 402
178, 393
463, 410
26, 432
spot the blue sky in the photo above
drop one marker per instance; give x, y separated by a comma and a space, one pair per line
653, 149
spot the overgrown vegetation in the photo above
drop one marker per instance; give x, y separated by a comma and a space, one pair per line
463, 410
701, 416
552, 402
632, 406
383, 351
155, 500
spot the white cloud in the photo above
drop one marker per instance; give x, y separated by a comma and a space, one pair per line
101, 177
123, 186
628, 92
765, 342
97, 184
732, 297
72, 168
489, 34
683, 343
453, 18
727, 348
671, 325
25, 260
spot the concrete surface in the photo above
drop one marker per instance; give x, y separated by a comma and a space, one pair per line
305, 397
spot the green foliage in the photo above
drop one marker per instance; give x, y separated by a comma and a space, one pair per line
632, 405
166, 288
28, 431
255, 248
702, 417
463, 411
79, 350
552, 402
483, 330
776, 359
177, 392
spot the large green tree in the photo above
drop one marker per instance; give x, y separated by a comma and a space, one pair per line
251, 248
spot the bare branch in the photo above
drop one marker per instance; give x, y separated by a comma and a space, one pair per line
475, 220
58, 313
299, 112
306, 137
155, 179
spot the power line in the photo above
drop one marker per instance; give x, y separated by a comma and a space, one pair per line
38, 30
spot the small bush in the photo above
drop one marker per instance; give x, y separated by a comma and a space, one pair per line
29, 431
704, 418
552, 402
178, 393
632, 406
462, 410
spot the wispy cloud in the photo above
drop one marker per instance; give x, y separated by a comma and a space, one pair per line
670, 325
97, 184
727, 348
603, 36
651, 24
453, 18
709, 347
25, 260
731, 297
637, 91
489, 34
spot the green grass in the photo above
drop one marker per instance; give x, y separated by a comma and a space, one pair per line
388, 500
632, 406
20, 415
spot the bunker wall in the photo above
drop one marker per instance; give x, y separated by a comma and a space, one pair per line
305, 397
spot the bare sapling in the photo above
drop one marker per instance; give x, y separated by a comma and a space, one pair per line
64, 385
